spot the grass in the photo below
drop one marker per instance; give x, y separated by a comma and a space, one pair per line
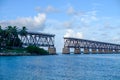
18, 50
31, 50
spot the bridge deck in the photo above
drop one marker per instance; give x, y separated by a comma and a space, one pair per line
44, 34
90, 41
38, 39
89, 46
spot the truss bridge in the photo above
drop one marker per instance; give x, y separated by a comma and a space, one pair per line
89, 46
40, 40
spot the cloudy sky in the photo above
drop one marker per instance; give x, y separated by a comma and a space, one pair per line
87, 19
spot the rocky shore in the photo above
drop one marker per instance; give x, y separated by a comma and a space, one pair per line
15, 54
21, 54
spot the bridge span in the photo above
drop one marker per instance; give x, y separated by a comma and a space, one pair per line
40, 40
89, 46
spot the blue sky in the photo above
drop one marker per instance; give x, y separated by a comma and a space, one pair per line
88, 19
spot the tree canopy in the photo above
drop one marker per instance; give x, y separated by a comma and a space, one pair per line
9, 36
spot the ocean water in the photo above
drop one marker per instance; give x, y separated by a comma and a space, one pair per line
61, 67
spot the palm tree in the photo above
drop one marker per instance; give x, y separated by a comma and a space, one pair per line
8, 32
9, 36
1, 33
3, 36
15, 36
12, 39
23, 32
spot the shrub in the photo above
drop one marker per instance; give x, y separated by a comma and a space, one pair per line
36, 50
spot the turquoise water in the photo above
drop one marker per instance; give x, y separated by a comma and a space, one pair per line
61, 67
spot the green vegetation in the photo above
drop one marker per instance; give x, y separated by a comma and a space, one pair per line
11, 43
36, 50
17, 50
9, 37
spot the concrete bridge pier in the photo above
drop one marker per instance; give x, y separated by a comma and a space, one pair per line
111, 51
86, 51
66, 50
116, 51
94, 51
100, 51
106, 51
77, 50
89, 46
103, 52
52, 50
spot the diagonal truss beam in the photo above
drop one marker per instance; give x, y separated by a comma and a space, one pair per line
82, 43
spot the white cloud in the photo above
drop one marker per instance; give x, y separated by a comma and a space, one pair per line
38, 9
71, 33
116, 39
48, 9
51, 9
81, 18
68, 24
89, 17
79, 35
32, 23
70, 10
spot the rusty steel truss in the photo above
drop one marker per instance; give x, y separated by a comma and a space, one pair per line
38, 39
82, 43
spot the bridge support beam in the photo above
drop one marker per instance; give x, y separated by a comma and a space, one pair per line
111, 51
119, 51
94, 51
52, 50
86, 51
116, 51
89, 46
77, 50
106, 51
66, 50
100, 51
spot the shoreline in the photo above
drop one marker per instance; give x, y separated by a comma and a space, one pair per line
15, 54
21, 54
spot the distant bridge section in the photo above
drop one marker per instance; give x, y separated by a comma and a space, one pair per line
40, 40
89, 46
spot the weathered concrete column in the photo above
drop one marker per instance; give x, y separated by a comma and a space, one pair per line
77, 50
100, 51
111, 51
94, 51
106, 51
66, 50
103, 51
116, 51
86, 51
119, 51
52, 50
